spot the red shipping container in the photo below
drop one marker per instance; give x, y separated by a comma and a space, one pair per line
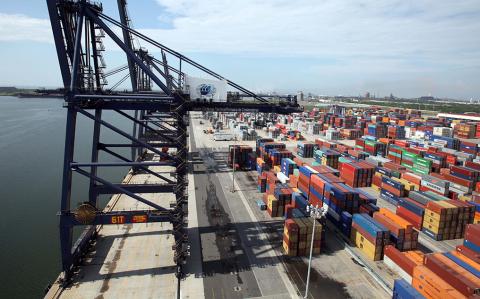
411, 217
413, 178
400, 259
472, 233
391, 189
423, 188
473, 165
468, 253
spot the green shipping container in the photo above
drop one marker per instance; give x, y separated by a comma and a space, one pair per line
420, 171
410, 155
423, 162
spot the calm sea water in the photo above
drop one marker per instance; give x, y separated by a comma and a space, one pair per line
32, 133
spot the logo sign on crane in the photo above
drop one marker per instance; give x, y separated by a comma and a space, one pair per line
206, 89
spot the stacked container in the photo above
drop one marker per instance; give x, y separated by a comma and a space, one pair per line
466, 131
374, 147
242, 156
402, 263
469, 147
377, 130
351, 133
369, 236
288, 166
276, 156
395, 153
262, 183
297, 236
396, 132
304, 178
446, 219
431, 183
357, 174
422, 166
306, 149
326, 156
402, 235
463, 281
411, 210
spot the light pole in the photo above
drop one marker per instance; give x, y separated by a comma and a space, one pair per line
233, 166
315, 213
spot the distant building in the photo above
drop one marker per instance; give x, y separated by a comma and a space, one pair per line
8, 89
367, 95
427, 98
300, 96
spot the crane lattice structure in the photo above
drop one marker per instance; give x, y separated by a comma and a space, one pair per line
157, 106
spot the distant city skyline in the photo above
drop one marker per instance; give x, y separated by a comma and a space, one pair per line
408, 48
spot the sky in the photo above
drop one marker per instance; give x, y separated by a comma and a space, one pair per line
335, 47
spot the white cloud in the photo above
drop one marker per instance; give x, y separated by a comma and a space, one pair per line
18, 27
362, 43
432, 31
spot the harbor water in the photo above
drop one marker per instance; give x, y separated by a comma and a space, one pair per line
32, 134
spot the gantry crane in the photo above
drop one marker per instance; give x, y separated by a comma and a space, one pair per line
157, 105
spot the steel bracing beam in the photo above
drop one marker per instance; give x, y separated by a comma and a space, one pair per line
119, 189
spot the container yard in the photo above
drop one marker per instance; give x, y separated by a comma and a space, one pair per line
407, 208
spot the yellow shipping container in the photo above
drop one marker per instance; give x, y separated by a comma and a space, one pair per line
436, 216
407, 185
370, 250
434, 229
272, 202
434, 222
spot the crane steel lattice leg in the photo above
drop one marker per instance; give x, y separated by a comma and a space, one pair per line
65, 229
180, 210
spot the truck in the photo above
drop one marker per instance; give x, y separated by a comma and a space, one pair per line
220, 136
261, 205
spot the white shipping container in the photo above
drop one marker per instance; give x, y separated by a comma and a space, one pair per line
392, 265
282, 178
443, 131
407, 132
433, 187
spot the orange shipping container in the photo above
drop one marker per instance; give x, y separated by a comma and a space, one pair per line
416, 256
465, 259
397, 219
432, 286
469, 283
